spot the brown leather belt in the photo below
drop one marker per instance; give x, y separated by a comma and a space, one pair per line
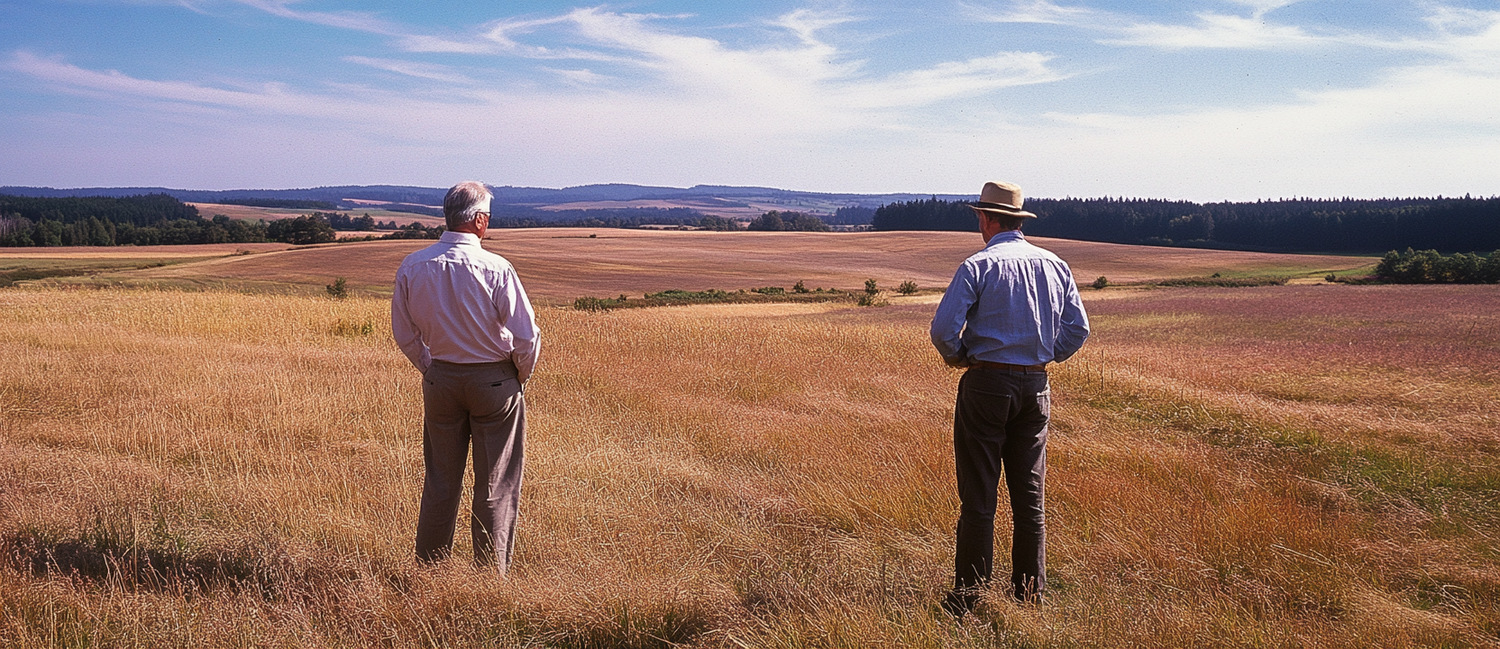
1012, 368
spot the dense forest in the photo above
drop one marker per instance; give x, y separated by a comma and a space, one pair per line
1303, 225
154, 219
105, 221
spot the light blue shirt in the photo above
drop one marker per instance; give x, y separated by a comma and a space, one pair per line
1011, 303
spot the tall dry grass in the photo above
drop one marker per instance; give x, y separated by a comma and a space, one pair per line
186, 469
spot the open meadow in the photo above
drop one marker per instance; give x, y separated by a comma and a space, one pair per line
1274, 466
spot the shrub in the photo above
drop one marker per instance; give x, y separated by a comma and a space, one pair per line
1101, 282
907, 287
799, 287
338, 289
594, 304
1430, 267
1330, 278
350, 328
769, 290
873, 299
870, 288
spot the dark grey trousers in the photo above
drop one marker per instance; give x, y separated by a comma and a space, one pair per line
482, 405
1000, 426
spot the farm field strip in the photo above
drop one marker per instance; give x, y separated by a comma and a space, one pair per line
560, 264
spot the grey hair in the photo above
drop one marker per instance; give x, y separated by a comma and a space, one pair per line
1007, 223
464, 202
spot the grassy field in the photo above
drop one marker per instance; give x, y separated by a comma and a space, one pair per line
1284, 466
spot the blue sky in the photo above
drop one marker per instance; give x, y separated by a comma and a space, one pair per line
1209, 100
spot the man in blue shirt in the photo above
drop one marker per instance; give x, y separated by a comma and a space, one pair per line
1011, 309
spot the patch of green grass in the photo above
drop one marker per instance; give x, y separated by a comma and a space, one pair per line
678, 297
1220, 281
1454, 495
16, 270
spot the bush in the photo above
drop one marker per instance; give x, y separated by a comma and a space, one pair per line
873, 299
1330, 278
1101, 282
338, 289
799, 287
595, 304
870, 288
1429, 267
350, 328
907, 287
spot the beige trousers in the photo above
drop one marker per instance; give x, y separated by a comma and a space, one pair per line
479, 406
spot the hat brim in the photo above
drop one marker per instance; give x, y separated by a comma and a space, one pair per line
998, 209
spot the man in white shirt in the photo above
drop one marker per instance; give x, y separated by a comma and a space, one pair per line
460, 315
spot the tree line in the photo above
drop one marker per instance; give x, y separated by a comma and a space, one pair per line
1302, 225
158, 219
154, 219
774, 221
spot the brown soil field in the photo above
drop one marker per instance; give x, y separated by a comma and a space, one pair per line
559, 264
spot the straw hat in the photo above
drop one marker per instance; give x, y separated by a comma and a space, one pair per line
1001, 199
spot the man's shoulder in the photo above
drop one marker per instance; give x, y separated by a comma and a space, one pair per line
471, 256
1019, 249
420, 255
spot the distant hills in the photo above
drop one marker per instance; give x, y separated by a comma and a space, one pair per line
704, 198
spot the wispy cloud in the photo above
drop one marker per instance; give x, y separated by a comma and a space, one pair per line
1206, 29
1219, 31
355, 20
1037, 11
429, 71
274, 97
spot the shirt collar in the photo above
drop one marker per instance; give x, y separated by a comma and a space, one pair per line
1003, 237
460, 238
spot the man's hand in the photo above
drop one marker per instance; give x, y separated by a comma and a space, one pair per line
959, 362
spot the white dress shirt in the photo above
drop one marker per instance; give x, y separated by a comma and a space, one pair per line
457, 302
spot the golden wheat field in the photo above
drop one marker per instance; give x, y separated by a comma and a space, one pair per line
1280, 466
